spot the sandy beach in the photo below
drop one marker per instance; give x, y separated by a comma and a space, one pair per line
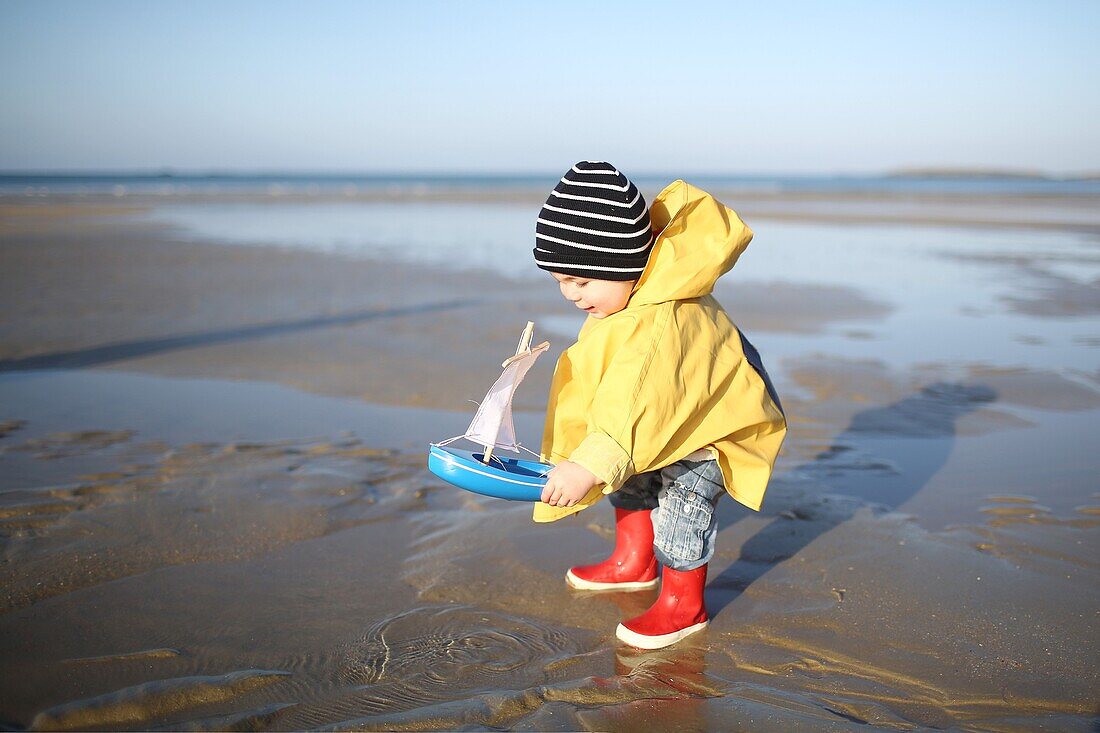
215, 513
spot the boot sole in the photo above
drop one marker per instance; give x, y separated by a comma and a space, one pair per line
642, 641
581, 584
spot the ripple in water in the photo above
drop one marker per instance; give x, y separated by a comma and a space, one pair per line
436, 653
451, 645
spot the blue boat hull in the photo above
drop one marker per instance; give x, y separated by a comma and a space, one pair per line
504, 478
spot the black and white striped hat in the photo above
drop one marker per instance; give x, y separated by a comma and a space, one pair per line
594, 224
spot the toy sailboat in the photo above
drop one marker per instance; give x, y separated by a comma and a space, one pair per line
492, 428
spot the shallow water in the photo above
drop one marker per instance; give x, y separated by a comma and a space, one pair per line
454, 235
1008, 297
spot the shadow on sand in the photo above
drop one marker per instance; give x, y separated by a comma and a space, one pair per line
124, 350
910, 441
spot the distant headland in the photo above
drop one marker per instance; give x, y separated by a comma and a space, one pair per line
965, 173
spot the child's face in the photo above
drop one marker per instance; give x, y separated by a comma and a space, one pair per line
597, 298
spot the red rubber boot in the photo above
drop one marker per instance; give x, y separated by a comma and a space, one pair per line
678, 612
632, 565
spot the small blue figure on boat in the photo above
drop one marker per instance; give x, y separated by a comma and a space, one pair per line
482, 472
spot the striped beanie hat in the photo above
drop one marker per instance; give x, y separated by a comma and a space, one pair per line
594, 224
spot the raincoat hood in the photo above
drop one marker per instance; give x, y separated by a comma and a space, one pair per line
686, 262
670, 373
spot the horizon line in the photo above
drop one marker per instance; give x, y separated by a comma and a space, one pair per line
202, 172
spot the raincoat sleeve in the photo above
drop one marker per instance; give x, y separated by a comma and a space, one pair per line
625, 405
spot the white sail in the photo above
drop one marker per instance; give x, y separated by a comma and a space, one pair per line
492, 425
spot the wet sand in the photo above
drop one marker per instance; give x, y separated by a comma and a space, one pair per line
215, 515
130, 296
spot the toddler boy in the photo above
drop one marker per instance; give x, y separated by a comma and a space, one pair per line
662, 403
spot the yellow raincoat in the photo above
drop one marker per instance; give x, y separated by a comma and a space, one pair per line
670, 373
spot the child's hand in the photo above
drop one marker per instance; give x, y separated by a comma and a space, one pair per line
567, 484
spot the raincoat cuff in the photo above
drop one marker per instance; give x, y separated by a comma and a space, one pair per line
606, 459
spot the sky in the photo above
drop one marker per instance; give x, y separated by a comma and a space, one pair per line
465, 86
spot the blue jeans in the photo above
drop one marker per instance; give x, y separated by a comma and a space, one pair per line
682, 497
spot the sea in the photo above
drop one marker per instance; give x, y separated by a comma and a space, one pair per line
177, 184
